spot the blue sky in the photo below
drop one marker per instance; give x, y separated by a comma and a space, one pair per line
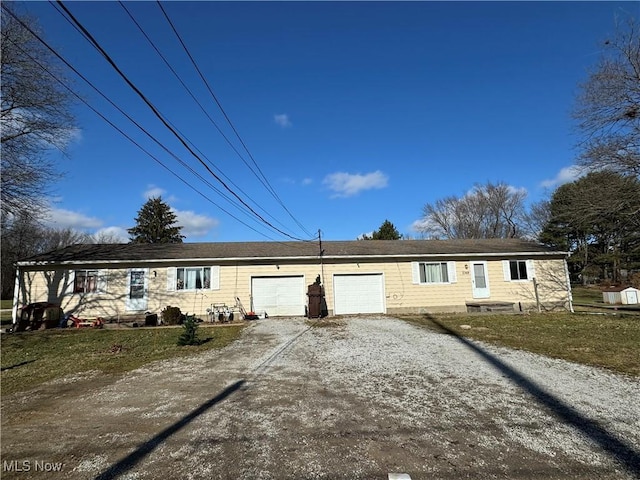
353, 112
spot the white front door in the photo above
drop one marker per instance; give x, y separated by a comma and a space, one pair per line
479, 280
632, 297
137, 289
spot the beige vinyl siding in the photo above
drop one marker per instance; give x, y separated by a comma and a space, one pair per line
401, 294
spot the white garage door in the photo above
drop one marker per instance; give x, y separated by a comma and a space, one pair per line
278, 296
358, 293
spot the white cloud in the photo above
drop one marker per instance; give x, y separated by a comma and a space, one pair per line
362, 236
61, 218
421, 225
566, 175
153, 191
518, 190
346, 184
193, 224
292, 181
112, 233
282, 119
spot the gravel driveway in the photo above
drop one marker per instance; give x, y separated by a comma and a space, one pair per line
358, 399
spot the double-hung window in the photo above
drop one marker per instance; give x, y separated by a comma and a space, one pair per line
518, 270
85, 281
434, 272
193, 278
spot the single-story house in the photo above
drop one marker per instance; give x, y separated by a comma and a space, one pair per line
367, 276
621, 295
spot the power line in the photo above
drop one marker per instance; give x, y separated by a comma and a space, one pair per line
153, 138
193, 97
118, 129
264, 179
164, 121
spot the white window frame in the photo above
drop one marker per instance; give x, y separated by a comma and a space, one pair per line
506, 268
173, 274
450, 268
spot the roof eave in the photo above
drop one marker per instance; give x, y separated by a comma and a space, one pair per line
289, 258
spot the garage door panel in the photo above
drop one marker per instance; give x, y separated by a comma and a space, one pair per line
278, 296
358, 293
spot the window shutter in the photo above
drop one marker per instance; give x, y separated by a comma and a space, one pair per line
531, 271
415, 272
451, 271
102, 281
171, 279
215, 277
67, 288
506, 269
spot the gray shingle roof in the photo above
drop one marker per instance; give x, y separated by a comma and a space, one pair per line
279, 250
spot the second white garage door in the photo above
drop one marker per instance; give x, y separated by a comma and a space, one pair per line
278, 296
358, 293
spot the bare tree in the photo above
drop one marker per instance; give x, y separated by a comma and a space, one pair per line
608, 106
536, 218
488, 211
35, 116
24, 236
106, 237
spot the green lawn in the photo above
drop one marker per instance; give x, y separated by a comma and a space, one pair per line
611, 342
31, 358
5, 316
586, 294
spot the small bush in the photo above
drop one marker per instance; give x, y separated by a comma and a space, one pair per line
171, 315
190, 332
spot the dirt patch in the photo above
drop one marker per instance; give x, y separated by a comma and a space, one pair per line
362, 398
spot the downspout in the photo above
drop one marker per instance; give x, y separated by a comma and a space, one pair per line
16, 296
568, 279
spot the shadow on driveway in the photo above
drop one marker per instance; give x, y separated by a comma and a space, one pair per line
146, 448
617, 449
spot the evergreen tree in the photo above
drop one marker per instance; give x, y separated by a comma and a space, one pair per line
189, 334
155, 223
597, 219
387, 231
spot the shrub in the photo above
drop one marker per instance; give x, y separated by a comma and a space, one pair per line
190, 332
171, 315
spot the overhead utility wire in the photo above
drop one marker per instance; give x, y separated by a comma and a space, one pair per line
182, 162
128, 137
265, 182
153, 138
157, 113
54, 52
193, 97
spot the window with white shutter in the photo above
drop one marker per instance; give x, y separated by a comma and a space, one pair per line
424, 273
193, 278
518, 270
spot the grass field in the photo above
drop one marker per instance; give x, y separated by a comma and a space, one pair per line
611, 342
31, 358
586, 294
5, 314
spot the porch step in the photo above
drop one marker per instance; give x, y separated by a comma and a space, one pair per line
475, 307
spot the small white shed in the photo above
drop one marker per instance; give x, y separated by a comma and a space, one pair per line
621, 295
